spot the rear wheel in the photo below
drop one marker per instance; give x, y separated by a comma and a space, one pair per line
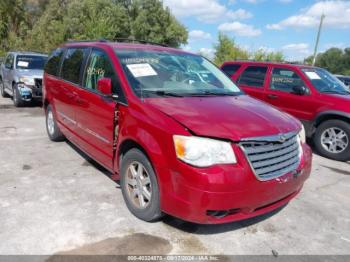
52, 129
332, 140
2, 89
139, 186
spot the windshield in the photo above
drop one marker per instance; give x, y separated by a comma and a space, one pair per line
163, 73
30, 62
324, 81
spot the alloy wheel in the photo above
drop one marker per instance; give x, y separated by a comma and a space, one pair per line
50, 123
138, 185
334, 140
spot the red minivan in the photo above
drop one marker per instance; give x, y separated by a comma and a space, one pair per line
313, 95
175, 130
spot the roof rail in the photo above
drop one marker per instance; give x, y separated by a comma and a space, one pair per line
128, 40
88, 40
27, 51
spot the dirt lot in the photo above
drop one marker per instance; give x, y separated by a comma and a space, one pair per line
55, 200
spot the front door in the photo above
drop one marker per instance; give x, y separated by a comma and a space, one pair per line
280, 93
95, 113
7, 72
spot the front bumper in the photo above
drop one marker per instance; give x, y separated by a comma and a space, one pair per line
29, 92
226, 193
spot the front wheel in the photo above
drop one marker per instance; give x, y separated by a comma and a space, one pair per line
17, 98
332, 140
139, 186
52, 129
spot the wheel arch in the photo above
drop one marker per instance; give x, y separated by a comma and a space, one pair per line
331, 115
126, 145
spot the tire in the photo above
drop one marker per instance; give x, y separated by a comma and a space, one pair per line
52, 128
332, 140
2, 89
136, 159
17, 99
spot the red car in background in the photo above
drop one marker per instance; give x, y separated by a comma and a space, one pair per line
313, 95
178, 133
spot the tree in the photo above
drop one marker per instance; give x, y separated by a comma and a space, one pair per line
226, 49
335, 60
156, 24
42, 25
263, 55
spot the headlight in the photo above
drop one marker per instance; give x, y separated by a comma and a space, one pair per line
27, 81
302, 135
203, 152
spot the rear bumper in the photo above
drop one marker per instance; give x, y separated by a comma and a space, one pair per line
228, 194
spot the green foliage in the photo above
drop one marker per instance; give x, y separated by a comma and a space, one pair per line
151, 21
335, 60
226, 49
41, 25
262, 55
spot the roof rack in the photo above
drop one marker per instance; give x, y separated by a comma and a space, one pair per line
89, 40
27, 51
128, 40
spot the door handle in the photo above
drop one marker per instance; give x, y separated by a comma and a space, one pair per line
272, 96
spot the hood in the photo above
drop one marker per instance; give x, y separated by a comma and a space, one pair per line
334, 98
226, 117
30, 73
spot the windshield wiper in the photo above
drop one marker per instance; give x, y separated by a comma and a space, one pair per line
209, 93
163, 93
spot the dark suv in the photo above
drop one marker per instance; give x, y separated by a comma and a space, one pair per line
312, 94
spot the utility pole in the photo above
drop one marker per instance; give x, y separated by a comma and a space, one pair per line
318, 39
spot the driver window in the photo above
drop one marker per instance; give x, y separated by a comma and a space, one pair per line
9, 62
284, 80
99, 66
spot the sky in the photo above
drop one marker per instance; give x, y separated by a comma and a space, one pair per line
289, 26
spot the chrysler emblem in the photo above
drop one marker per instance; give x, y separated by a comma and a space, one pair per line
282, 138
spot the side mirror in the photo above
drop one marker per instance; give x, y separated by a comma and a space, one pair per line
299, 90
104, 85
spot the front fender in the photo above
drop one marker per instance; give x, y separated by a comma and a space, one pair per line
324, 114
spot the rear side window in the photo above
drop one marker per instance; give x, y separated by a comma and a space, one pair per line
72, 64
230, 69
53, 62
253, 76
285, 79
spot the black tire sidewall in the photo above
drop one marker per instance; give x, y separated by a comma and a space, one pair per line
343, 156
18, 102
152, 212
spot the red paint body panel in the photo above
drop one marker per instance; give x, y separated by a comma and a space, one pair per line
306, 107
186, 192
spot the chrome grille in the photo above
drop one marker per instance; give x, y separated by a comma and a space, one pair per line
272, 156
38, 83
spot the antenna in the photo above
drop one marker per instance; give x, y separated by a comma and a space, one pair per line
318, 39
